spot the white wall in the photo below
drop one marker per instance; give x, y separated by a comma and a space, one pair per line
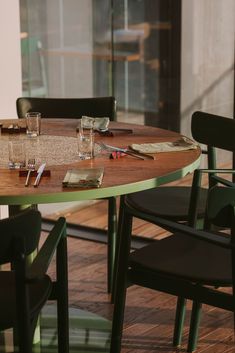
10, 63
207, 61
207, 66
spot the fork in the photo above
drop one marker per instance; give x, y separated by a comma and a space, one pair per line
30, 168
117, 149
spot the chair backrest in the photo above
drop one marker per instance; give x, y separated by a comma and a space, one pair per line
68, 107
26, 225
213, 130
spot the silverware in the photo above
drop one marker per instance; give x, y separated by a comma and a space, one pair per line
30, 168
39, 174
109, 131
117, 149
126, 150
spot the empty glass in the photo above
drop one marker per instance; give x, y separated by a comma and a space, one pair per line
86, 138
17, 154
86, 144
33, 123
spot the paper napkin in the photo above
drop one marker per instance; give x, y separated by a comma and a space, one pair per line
83, 178
180, 145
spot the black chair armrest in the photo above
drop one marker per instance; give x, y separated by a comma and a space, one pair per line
43, 259
199, 234
217, 178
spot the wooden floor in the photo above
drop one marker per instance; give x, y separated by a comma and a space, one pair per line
149, 315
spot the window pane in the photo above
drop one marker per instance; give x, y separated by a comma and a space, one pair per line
162, 59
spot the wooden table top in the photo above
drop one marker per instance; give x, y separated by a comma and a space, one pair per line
121, 176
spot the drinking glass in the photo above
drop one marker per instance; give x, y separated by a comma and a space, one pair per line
17, 154
33, 123
86, 143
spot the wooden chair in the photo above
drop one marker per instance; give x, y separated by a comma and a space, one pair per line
206, 129
173, 202
75, 108
26, 288
190, 263
71, 108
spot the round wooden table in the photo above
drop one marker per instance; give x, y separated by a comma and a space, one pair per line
121, 176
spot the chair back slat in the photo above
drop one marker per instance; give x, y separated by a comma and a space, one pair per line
68, 107
26, 225
213, 130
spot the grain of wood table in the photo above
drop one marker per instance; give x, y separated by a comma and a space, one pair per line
121, 176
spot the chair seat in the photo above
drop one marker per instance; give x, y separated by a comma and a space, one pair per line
168, 202
39, 292
186, 257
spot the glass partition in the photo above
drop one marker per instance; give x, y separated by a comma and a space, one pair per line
161, 59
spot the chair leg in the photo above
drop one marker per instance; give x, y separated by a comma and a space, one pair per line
62, 296
112, 234
234, 325
179, 321
3, 342
120, 219
194, 326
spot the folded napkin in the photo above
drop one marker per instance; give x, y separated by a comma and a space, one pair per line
180, 145
100, 123
83, 178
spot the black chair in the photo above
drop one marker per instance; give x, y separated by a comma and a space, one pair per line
75, 108
214, 131
190, 263
72, 108
26, 287
173, 203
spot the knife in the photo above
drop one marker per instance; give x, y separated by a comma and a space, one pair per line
109, 131
39, 174
131, 152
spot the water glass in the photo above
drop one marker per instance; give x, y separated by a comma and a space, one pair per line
17, 154
33, 123
86, 144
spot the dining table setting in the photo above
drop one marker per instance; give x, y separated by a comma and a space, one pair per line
63, 160
129, 158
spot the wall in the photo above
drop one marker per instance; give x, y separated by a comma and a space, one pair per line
207, 64
10, 63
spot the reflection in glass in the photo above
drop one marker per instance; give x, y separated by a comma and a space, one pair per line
162, 59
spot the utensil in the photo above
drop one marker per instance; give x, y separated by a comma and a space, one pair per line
116, 149
125, 150
30, 168
39, 174
109, 131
